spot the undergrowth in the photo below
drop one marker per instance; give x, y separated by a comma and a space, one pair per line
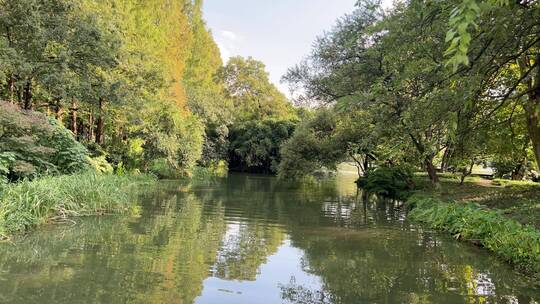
26, 204
512, 241
394, 182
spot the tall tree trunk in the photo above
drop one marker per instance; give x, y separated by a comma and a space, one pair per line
90, 126
428, 161
74, 110
446, 157
466, 172
532, 105
366, 165
58, 111
19, 94
27, 95
100, 130
11, 89
532, 126
81, 130
11, 80
431, 170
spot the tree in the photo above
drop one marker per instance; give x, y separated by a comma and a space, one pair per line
465, 15
254, 97
388, 67
328, 139
205, 95
254, 145
123, 71
508, 56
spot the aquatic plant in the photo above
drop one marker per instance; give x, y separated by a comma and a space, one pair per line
26, 204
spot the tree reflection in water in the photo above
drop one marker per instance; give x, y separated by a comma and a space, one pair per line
319, 242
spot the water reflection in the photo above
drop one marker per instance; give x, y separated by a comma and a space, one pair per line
252, 239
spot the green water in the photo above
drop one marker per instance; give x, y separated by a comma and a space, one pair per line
251, 239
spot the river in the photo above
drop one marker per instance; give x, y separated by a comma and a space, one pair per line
254, 239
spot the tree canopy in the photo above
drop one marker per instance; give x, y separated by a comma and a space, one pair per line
436, 85
140, 83
392, 69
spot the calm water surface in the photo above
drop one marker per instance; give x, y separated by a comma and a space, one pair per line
251, 239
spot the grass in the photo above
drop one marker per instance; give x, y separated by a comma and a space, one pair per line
27, 204
517, 200
510, 240
501, 215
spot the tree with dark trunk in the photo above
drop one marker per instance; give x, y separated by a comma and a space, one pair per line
100, 128
431, 170
90, 135
27, 95
533, 103
11, 88
74, 109
58, 110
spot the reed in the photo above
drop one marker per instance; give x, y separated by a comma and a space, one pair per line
26, 204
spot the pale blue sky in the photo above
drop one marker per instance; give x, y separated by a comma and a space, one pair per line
278, 32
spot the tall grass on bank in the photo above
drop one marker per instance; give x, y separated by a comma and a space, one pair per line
507, 238
26, 204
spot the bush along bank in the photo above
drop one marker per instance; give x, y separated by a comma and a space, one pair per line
26, 204
393, 182
507, 238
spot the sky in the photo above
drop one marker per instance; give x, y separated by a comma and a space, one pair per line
279, 33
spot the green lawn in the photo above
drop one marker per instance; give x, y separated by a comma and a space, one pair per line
515, 199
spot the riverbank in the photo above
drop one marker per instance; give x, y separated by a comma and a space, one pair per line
501, 216
27, 204
517, 200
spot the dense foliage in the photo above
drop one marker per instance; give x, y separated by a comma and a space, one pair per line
440, 86
433, 91
327, 139
262, 120
141, 84
255, 145
31, 144
123, 86
254, 97
393, 182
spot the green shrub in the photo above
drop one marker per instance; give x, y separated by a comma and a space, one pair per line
100, 164
509, 239
507, 168
213, 169
395, 181
70, 156
29, 203
216, 144
32, 145
162, 168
